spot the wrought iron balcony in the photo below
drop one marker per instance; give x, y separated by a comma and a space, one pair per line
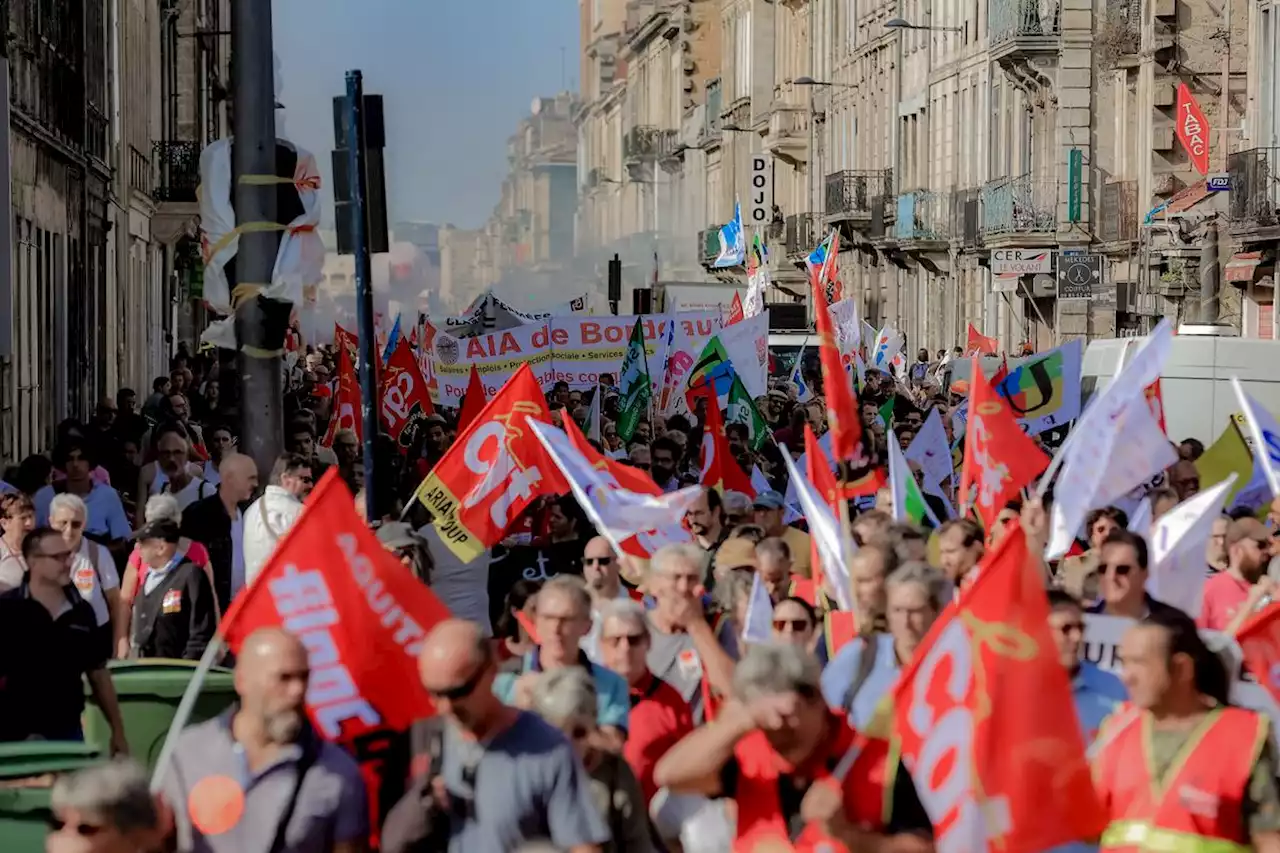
640, 144
923, 216
1118, 217
1021, 205
849, 194
177, 171
1255, 195
803, 233
1024, 25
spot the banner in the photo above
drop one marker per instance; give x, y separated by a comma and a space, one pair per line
585, 347
497, 356
1043, 391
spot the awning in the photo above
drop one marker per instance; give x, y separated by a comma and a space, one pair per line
1242, 265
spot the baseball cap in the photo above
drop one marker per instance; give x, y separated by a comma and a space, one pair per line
1247, 528
735, 554
161, 528
769, 499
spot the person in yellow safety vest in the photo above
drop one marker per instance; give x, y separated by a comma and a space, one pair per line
1178, 769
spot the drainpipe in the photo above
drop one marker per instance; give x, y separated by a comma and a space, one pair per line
1209, 303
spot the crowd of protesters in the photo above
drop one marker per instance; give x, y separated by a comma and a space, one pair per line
598, 703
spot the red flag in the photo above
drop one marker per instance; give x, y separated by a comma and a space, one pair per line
735, 310
344, 340
493, 471
474, 402
720, 471
980, 343
1259, 640
628, 477
405, 400
346, 402
986, 723
360, 613
1193, 129
1001, 374
987, 483
850, 445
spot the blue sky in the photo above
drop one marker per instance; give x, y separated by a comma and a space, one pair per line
456, 75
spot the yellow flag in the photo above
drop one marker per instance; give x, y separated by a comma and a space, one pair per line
1228, 455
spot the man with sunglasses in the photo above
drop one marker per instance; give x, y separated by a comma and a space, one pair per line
601, 569
497, 777
1230, 597
1123, 573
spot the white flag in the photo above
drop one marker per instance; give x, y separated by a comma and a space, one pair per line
929, 450
888, 345
825, 531
758, 627
1088, 456
844, 317
618, 514
1265, 432
1178, 568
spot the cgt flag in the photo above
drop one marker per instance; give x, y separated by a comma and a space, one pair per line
985, 723
405, 400
361, 615
493, 471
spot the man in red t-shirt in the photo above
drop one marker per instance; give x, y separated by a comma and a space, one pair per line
1230, 596
659, 714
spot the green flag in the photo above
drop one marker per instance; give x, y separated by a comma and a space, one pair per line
636, 386
743, 410
886, 412
908, 501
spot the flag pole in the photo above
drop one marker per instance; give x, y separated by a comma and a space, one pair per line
185, 706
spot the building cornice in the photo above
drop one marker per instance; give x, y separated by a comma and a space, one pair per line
651, 28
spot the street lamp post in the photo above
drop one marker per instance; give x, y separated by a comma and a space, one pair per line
902, 24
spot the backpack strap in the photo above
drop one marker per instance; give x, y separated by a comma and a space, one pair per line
866, 663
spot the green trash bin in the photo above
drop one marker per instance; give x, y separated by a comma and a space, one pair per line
149, 692
27, 771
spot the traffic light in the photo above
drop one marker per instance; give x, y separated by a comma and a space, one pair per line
374, 137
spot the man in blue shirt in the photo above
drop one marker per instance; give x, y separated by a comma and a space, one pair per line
1095, 691
563, 619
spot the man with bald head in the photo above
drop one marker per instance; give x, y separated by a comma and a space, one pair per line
503, 777
601, 570
217, 523
258, 777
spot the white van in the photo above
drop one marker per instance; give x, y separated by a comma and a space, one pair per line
1196, 383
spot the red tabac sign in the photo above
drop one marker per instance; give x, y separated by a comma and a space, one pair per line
1193, 130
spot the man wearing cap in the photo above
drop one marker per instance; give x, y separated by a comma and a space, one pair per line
175, 613
770, 509
1231, 596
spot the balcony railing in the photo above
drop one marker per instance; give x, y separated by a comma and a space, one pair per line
669, 144
177, 171
140, 176
1118, 219
1021, 205
789, 121
923, 215
848, 194
1255, 194
640, 144
1023, 19
803, 233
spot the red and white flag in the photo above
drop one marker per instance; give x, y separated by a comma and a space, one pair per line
986, 724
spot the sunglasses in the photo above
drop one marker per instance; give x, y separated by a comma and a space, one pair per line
632, 639
796, 625
1120, 569
84, 830
596, 561
462, 691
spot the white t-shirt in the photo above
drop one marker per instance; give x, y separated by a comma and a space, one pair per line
86, 579
191, 492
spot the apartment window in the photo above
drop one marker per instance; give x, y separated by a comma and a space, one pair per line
1269, 97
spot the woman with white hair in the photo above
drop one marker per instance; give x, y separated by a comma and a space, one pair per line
93, 570
106, 808
566, 698
162, 507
